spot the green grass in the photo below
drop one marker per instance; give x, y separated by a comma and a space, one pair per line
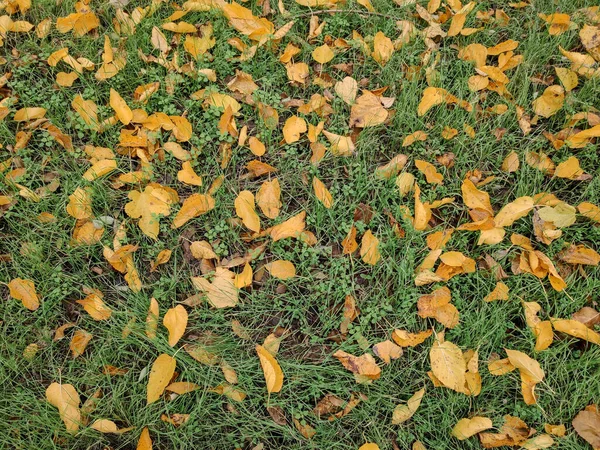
309, 306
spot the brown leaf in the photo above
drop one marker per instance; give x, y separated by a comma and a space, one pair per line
587, 425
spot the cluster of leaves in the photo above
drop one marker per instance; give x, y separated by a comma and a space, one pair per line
138, 192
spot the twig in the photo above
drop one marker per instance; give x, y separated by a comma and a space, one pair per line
345, 11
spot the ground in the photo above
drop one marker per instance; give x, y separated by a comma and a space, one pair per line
308, 307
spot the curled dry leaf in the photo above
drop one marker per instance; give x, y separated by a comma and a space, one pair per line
271, 370
465, 428
387, 351
531, 374
364, 367
404, 412
406, 339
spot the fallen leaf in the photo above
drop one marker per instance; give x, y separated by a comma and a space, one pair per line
175, 320
245, 209
387, 351
24, 290
160, 375
271, 370
221, 293
465, 428
448, 365
281, 269
65, 398
402, 413
587, 425
369, 248
364, 367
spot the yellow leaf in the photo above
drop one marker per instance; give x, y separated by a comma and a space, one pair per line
323, 54
24, 290
160, 375
448, 365
367, 111
79, 342
347, 89
569, 168
294, 126
246, 23
124, 113
175, 321
465, 428
405, 182
576, 329
182, 387
152, 319
256, 147
513, 211
368, 445
500, 292
66, 79
511, 162
406, 339
271, 370
431, 174
194, 206
268, 198
531, 374
188, 176
297, 72
100, 168
95, 307
149, 206
561, 215
104, 426
281, 269
65, 398
25, 114
244, 278
404, 412
322, 193
432, 96
364, 367
80, 204
221, 293
290, 228
387, 351
550, 102
383, 48
202, 250
245, 209
340, 145
144, 443
567, 77
369, 248
412, 138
